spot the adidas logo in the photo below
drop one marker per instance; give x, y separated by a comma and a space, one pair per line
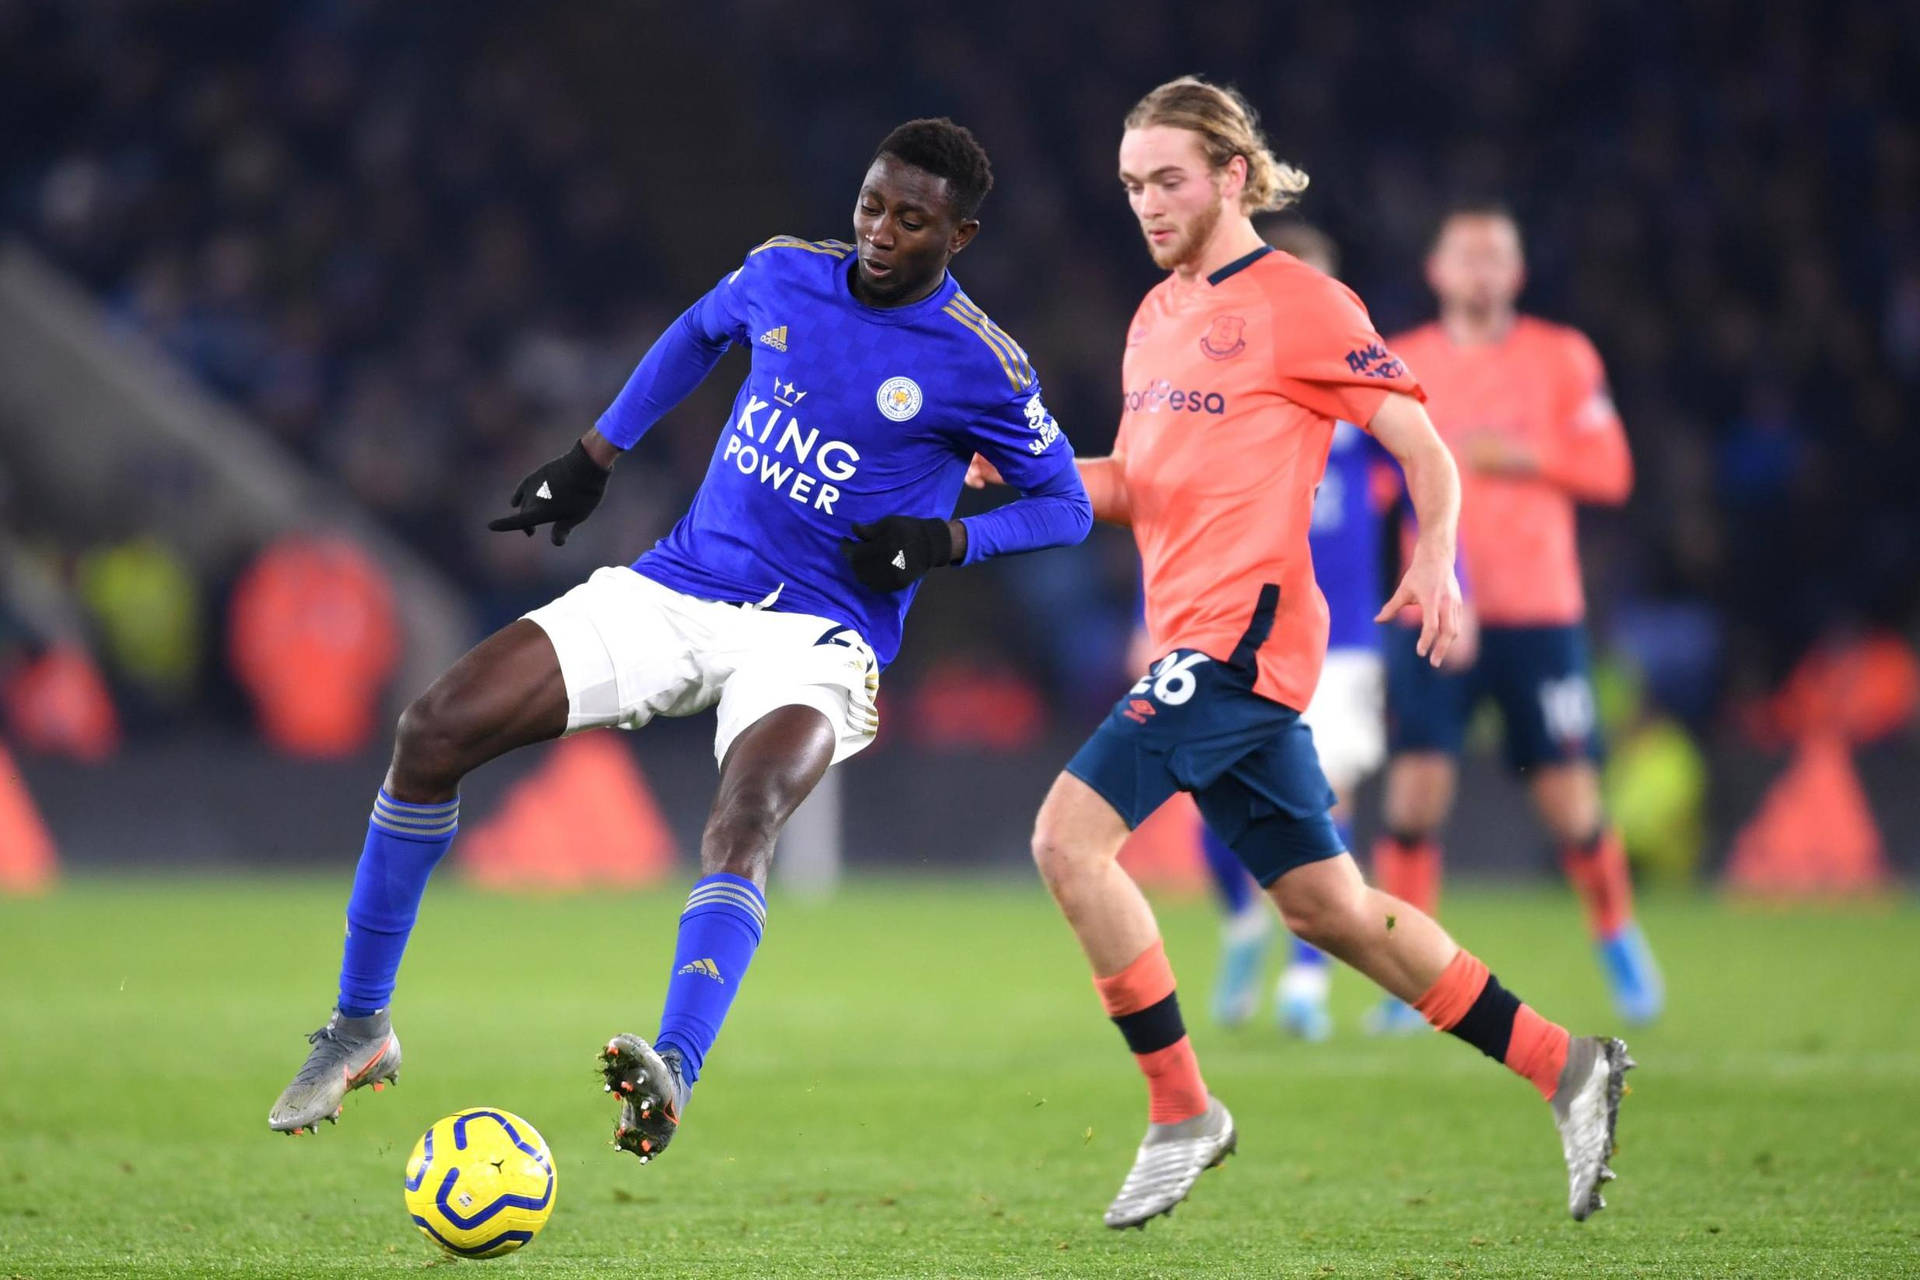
705, 968
899, 561
775, 338
544, 492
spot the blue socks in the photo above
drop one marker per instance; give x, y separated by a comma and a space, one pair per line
719, 930
1237, 889
404, 842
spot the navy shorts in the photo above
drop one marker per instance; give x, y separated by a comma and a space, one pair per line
1537, 676
1195, 724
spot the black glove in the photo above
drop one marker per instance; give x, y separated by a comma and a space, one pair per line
564, 491
895, 552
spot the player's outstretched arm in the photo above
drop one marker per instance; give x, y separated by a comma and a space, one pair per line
562, 492
1433, 486
895, 552
1103, 478
1015, 441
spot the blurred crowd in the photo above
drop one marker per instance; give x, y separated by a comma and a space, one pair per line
423, 245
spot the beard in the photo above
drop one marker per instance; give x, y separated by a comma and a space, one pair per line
1191, 239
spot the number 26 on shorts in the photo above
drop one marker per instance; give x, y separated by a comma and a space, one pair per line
1171, 680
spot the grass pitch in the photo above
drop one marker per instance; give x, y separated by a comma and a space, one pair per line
918, 1081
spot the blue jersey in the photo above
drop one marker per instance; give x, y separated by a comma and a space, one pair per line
1345, 539
850, 413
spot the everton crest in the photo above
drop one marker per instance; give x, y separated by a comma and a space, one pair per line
1226, 339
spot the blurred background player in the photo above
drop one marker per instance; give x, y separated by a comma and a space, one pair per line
775, 601
1523, 404
1348, 711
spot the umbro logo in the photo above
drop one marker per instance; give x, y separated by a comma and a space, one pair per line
544, 492
705, 968
775, 337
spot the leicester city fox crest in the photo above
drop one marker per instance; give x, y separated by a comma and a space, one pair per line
1226, 339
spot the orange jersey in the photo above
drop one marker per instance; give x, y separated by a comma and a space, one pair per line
1543, 387
1232, 387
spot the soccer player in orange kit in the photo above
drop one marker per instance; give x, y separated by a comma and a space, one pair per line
1523, 404
1237, 366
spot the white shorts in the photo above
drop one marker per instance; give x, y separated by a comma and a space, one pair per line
1348, 716
631, 649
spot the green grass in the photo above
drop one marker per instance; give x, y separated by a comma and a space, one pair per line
918, 1081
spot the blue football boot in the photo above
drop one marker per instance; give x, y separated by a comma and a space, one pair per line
1393, 1017
1245, 940
1639, 992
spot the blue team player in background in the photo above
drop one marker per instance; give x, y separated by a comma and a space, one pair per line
776, 600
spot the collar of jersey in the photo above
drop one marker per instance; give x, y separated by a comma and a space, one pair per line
1238, 265
897, 315
1184, 295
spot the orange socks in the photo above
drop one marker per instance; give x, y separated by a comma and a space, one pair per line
1141, 1001
1175, 1091
1454, 991
1409, 869
1469, 1002
1598, 870
1537, 1049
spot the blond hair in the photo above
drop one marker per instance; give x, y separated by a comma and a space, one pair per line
1228, 126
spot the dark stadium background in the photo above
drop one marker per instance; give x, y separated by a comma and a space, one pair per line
415, 249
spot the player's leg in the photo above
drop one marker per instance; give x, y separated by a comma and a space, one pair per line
768, 770
1198, 712
1412, 957
796, 695
1567, 797
1428, 712
1417, 800
1553, 742
1076, 845
1247, 926
505, 693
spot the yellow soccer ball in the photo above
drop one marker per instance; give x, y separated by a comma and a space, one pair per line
480, 1183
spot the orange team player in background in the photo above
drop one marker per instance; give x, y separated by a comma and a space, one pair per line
1237, 367
1523, 404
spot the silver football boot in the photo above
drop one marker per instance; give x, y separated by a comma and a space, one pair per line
1586, 1103
1170, 1160
347, 1053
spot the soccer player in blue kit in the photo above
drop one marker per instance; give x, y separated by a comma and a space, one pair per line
776, 600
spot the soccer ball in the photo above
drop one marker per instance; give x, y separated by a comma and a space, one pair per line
480, 1183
